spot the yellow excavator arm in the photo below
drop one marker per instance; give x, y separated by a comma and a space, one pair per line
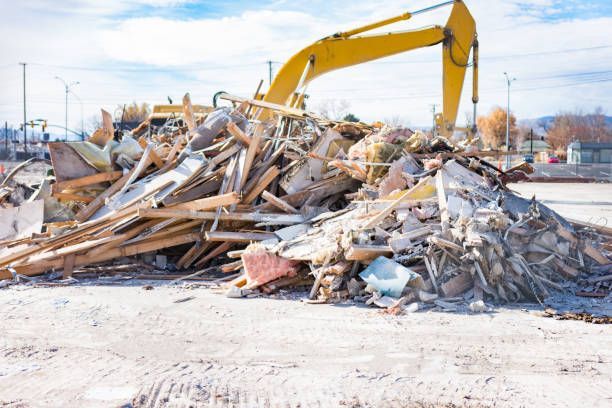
349, 48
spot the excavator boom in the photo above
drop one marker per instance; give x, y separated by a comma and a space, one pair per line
349, 48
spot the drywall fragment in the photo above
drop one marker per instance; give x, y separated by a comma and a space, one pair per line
387, 276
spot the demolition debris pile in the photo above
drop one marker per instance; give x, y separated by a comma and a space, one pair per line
345, 210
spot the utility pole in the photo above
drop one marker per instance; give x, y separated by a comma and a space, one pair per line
270, 72
67, 87
531, 141
508, 81
25, 128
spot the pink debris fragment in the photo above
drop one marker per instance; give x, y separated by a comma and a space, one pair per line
262, 267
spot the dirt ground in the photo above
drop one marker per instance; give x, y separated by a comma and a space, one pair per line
105, 346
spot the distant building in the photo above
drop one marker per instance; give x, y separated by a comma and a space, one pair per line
589, 152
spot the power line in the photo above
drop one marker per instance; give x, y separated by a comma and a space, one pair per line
147, 69
254, 64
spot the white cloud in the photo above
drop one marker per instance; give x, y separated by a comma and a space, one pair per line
169, 54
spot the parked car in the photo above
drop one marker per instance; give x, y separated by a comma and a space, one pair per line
528, 158
553, 159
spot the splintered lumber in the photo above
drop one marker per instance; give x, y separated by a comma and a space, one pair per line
261, 185
387, 211
442, 203
193, 194
214, 253
86, 259
277, 202
595, 255
188, 112
98, 202
72, 197
269, 105
192, 254
228, 236
367, 252
153, 154
250, 154
224, 155
445, 243
87, 180
208, 203
269, 218
240, 135
68, 266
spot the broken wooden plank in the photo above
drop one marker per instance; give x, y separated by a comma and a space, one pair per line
229, 236
269, 218
389, 209
240, 135
73, 197
159, 163
263, 182
277, 202
250, 154
208, 202
68, 266
86, 259
98, 202
357, 252
87, 180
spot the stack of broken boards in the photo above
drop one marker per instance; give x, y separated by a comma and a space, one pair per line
266, 197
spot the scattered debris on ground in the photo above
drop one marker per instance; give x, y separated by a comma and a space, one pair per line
380, 215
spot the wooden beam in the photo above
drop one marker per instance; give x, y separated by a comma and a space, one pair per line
263, 182
68, 266
159, 163
87, 180
73, 197
86, 259
366, 252
277, 202
208, 203
250, 155
269, 105
240, 135
228, 236
98, 202
270, 218
214, 253
188, 113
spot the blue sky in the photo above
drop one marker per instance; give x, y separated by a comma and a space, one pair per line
144, 50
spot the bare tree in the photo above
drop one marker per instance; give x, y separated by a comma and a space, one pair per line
570, 126
334, 109
93, 122
396, 121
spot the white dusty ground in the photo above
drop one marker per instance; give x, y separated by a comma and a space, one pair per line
591, 202
101, 346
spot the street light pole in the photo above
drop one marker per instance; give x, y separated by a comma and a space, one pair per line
67, 87
508, 81
80, 102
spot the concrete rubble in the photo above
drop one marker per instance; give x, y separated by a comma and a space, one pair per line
344, 211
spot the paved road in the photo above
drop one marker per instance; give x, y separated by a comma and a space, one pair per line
597, 171
591, 202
